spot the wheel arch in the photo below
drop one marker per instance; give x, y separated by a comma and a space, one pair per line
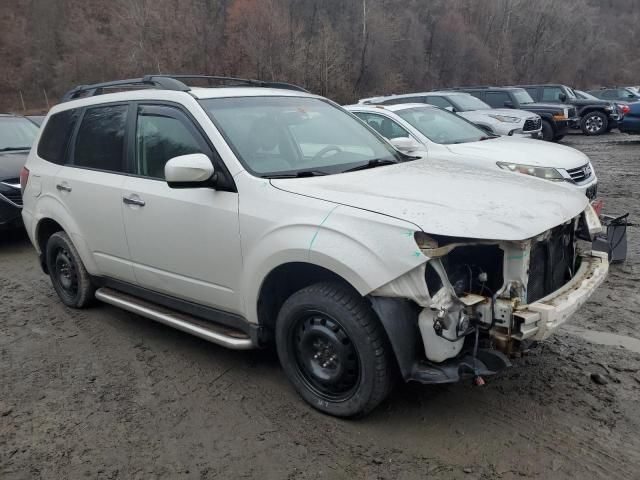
286, 279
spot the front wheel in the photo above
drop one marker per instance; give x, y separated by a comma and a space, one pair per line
334, 350
69, 277
594, 123
547, 131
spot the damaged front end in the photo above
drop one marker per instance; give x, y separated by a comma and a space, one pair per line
472, 304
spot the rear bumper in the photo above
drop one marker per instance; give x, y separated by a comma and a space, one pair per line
544, 317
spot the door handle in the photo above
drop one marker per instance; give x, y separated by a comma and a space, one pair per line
133, 200
63, 187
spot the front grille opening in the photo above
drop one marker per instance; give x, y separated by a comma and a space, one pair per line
551, 263
475, 269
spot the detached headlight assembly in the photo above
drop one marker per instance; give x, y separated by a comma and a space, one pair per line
548, 173
506, 119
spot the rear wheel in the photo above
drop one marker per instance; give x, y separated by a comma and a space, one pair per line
594, 123
334, 350
547, 131
69, 277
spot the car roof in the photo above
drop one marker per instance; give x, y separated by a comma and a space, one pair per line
199, 93
409, 95
391, 108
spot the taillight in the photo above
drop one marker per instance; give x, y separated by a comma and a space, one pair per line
24, 178
625, 109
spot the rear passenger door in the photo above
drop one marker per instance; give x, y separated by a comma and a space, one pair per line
90, 184
183, 242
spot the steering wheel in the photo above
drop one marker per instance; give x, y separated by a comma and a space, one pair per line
325, 150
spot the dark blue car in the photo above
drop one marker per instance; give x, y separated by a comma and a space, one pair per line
631, 121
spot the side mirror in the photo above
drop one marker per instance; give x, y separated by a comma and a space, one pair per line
508, 104
450, 108
190, 171
562, 97
631, 95
406, 144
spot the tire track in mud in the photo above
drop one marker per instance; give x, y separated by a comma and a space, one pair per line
595, 457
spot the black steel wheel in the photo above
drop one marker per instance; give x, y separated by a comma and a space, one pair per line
326, 358
68, 275
334, 350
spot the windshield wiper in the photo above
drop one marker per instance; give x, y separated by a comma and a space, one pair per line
11, 149
300, 174
376, 162
488, 137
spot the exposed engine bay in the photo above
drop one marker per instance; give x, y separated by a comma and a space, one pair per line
491, 296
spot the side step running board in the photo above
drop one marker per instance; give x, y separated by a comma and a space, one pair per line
200, 328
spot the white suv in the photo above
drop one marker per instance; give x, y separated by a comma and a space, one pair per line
500, 121
249, 215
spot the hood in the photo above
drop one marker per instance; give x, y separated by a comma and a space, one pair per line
544, 107
11, 163
507, 112
583, 102
523, 151
453, 200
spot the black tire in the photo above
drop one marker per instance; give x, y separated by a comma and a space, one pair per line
69, 277
334, 350
547, 131
594, 123
557, 138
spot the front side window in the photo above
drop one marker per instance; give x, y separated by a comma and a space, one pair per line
100, 139
438, 101
384, 125
160, 136
551, 94
468, 103
16, 133
522, 96
289, 135
498, 99
441, 126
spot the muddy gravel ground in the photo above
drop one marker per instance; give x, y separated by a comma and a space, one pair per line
105, 394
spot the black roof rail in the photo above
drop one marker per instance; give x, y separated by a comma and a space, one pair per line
235, 81
170, 82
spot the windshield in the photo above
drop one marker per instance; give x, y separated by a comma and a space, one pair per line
469, 102
441, 126
522, 96
16, 133
289, 135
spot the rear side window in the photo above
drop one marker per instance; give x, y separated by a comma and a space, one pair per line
100, 139
53, 143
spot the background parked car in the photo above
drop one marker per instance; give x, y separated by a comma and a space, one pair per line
555, 118
596, 116
622, 107
419, 127
624, 94
37, 119
17, 134
498, 121
631, 121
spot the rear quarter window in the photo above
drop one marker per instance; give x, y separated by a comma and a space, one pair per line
55, 137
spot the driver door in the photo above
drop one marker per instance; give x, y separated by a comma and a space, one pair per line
183, 242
